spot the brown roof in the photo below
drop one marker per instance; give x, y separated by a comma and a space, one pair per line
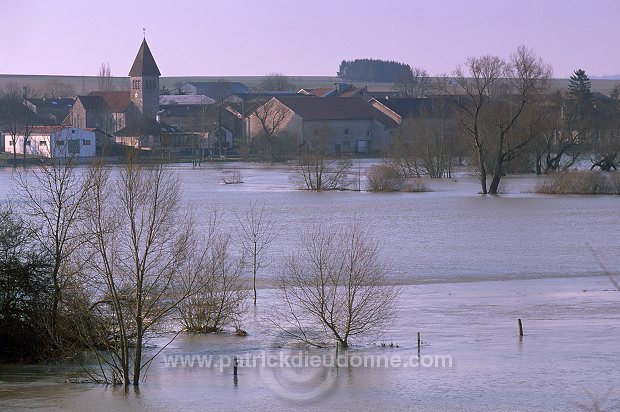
335, 108
144, 64
92, 102
117, 101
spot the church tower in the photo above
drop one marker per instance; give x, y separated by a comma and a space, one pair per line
144, 76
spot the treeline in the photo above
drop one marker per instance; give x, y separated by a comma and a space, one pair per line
373, 70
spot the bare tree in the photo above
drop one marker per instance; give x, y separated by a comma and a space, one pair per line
53, 194
271, 118
256, 230
276, 82
54, 89
17, 116
218, 296
478, 81
139, 247
104, 78
415, 83
497, 94
334, 288
428, 143
561, 132
317, 168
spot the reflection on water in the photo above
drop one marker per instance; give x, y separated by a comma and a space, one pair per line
540, 243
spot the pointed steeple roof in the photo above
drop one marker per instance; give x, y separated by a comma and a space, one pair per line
144, 65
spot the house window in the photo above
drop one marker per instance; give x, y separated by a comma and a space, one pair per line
10, 143
27, 142
73, 131
74, 146
60, 142
42, 143
136, 84
86, 142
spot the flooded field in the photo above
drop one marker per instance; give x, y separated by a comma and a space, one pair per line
470, 266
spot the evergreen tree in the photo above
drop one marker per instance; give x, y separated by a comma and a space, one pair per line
372, 70
579, 92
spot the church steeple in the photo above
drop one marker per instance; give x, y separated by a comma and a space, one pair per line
144, 76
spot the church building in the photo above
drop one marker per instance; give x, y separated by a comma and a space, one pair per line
112, 111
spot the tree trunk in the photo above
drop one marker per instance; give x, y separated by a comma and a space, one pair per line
495, 182
497, 173
138, 356
483, 171
255, 268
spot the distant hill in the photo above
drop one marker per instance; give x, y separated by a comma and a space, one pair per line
607, 77
82, 85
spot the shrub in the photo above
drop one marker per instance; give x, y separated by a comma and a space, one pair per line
580, 183
415, 184
384, 178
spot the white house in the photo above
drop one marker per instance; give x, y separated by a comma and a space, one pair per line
56, 141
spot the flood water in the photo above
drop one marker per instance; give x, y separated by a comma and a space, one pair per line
470, 266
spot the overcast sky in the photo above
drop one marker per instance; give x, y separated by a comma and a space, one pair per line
242, 37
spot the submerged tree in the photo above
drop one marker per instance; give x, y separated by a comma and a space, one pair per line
140, 244
53, 194
256, 231
497, 94
317, 168
217, 299
429, 142
334, 288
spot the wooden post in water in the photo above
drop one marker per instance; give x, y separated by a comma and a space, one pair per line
235, 364
419, 342
520, 328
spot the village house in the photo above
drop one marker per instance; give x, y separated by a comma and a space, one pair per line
108, 111
349, 125
53, 141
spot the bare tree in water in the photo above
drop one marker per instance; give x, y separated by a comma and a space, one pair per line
140, 244
256, 230
334, 288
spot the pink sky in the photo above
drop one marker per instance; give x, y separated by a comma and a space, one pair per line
236, 38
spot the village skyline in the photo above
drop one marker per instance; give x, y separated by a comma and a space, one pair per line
248, 39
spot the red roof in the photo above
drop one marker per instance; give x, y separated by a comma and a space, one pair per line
117, 102
45, 129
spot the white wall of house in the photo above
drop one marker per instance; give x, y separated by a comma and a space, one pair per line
65, 142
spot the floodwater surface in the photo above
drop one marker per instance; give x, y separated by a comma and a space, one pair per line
469, 266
